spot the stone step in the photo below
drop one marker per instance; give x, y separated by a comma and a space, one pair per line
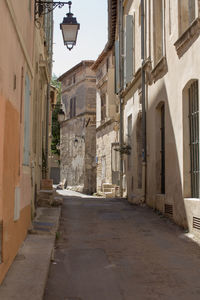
107, 185
45, 198
108, 190
109, 195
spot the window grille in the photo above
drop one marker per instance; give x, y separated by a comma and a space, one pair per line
194, 138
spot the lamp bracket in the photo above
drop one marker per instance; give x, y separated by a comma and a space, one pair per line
45, 7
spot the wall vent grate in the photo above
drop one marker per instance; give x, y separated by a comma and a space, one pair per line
196, 223
169, 209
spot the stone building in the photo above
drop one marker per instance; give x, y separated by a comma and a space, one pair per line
78, 130
107, 117
25, 71
167, 177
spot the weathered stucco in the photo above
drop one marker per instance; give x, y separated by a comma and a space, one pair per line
18, 67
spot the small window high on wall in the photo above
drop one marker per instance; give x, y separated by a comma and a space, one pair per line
187, 14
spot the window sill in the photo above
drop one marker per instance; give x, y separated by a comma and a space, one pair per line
105, 124
160, 69
187, 38
192, 199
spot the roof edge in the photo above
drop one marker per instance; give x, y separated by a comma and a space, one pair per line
82, 63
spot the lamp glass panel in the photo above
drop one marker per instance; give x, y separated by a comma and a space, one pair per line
61, 117
69, 32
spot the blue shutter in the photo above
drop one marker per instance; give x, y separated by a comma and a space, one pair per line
129, 48
27, 122
117, 75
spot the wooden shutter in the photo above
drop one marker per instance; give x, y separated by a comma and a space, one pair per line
129, 49
27, 122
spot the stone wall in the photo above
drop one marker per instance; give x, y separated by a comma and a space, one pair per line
78, 131
106, 135
72, 153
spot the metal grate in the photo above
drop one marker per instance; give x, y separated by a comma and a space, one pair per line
194, 138
196, 223
169, 209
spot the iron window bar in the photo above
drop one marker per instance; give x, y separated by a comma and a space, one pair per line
194, 139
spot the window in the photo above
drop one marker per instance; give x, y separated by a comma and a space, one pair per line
103, 107
194, 138
107, 64
65, 103
139, 151
27, 122
158, 19
72, 107
74, 79
187, 14
115, 156
160, 149
129, 133
191, 164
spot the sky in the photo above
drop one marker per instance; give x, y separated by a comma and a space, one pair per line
92, 36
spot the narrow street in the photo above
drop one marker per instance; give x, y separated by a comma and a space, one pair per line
111, 250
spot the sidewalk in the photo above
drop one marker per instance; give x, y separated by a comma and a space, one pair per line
26, 278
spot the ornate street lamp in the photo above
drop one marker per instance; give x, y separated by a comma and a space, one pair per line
61, 116
69, 26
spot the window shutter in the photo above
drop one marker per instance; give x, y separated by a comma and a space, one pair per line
117, 75
129, 48
27, 122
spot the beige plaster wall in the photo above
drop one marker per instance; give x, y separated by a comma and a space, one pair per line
166, 83
16, 60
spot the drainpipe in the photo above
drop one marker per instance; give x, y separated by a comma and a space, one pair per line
143, 95
121, 76
47, 130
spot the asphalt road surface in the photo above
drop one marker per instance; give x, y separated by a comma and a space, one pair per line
111, 250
